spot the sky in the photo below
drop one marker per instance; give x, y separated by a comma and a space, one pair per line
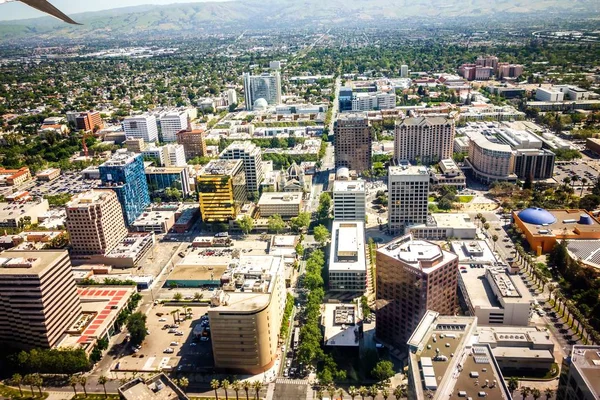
18, 10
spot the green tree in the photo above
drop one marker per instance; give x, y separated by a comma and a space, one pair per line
275, 224
103, 380
302, 221
136, 325
246, 224
525, 391
177, 296
400, 392
321, 234
236, 385
73, 381
383, 370
17, 379
299, 250
38, 382
513, 384
83, 383
29, 380
184, 383
324, 206
257, 387
246, 385
494, 239
225, 386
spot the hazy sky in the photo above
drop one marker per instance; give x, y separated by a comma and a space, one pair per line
18, 10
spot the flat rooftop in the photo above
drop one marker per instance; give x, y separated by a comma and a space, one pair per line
420, 254
17, 262
586, 250
409, 170
220, 167
275, 198
587, 360
94, 196
158, 388
446, 361
120, 158
14, 210
347, 247
348, 186
132, 245
250, 283
151, 218
163, 170
451, 220
473, 252
340, 322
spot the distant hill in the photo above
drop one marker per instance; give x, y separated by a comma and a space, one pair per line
180, 19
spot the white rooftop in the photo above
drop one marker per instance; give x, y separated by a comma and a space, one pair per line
348, 186
347, 246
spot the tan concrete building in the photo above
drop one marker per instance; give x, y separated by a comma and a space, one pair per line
408, 188
48, 174
287, 205
353, 142
95, 222
245, 317
136, 145
194, 143
491, 161
413, 276
38, 298
14, 177
429, 139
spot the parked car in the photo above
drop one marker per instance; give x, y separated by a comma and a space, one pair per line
168, 350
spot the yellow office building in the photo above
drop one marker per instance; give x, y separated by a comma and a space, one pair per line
221, 190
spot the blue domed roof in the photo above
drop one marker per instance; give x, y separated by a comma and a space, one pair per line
536, 216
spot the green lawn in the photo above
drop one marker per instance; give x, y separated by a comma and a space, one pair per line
11, 393
431, 199
464, 199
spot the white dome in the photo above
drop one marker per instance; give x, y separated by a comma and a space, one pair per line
343, 173
260, 104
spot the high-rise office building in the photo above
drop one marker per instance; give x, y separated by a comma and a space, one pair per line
345, 98
38, 298
427, 139
349, 200
170, 155
161, 178
347, 261
413, 276
408, 189
194, 143
353, 142
231, 97
222, 189
124, 173
251, 156
245, 323
171, 123
487, 61
89, 121
264, 86
404, 71
95, 222
141, 126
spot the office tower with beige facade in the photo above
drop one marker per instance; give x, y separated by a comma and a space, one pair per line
89, 121
349, 200
413, 276
95, 222
251, 156
285, 204
194, 143
408, 190
221, 186
426, 139
353, 142
38, 298
245, 315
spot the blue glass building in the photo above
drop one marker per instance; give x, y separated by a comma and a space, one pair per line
124, 173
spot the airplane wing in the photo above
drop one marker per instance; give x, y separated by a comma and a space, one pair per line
45, 6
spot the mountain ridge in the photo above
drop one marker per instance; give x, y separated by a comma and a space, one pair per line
184, 18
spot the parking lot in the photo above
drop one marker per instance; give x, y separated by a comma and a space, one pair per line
569, 169
188, 352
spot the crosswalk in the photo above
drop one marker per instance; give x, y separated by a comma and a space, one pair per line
289, 381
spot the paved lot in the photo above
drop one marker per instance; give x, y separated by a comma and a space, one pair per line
582, 169
188, 355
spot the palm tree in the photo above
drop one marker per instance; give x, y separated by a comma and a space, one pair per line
494, 239
38, 381
340, 393
320, 394
73, 381
17, 379
549, 392
584, 181
184, 383
246, 385
513, 384
102, 381
400, 392
525, 391
29, 380
385, 393
225, 385
535, 393
257, 386
373, 391
486, 226
362, 392
83, 382
214, 385
352, 392
236, 385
